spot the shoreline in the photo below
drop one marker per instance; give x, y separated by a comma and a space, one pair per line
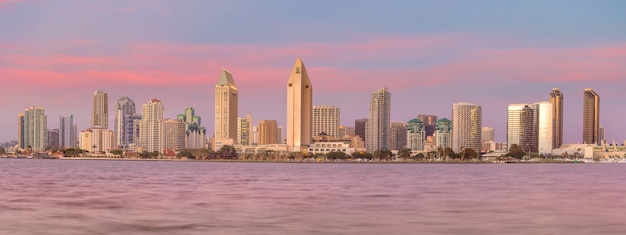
310, 162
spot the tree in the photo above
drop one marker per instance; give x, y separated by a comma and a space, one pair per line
468, 154
185, 154
362, 155
117, 152
227, 152
449, 153
515, 151
336, 155
404, 153
2, 151
420, 156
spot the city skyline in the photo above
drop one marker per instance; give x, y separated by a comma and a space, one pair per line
469, 57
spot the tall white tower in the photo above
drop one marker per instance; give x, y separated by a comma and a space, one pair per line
299, 108
379, 122
466, 126
226, 101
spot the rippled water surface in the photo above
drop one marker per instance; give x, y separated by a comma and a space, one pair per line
151, 197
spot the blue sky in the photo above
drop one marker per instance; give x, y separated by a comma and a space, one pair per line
429, 54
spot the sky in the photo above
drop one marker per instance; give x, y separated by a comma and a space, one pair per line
429, 54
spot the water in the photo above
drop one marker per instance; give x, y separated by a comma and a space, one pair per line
149, 197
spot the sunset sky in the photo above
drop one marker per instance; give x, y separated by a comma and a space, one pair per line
429, 54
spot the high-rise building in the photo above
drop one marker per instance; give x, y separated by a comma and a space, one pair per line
34, 128
545, 132
53, 138
124, 117
268, 132
67, 132
378, 124
429, 122
416, 134
443, 134
522, 127
21, 126
279, 135
359, 127
601, 136
487, 134
398, 135
195, 133
173, 135
226, 103
591, 116
346, 130
96, 139
244, 130
151, 126
100, 114
299, 108
466, 126
326, 119
556, 98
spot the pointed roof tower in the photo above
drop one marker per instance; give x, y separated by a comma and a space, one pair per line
226, 78
299, 108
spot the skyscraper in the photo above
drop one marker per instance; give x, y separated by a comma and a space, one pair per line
267, 132
326, 119
545, 132
398, 136
487, 134
100, 114
378, 124
556, 98
443, 134
21, 126
226, 103
415, 134
34, 128
359, 127
151, 126
244, 130
522, 126
173, 135
195, 133
591, 116
124, 117
299, 108
53, 138
429, 122
346, 130
67, 132
466, 126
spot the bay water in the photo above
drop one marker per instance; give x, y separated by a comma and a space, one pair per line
184, 197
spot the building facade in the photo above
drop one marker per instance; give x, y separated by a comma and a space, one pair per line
466, 126
68, 136
326, 119
299, 108
268, 132
100, 114
429, 122
96, 139
226, 106
591, 117
443, 134
556, 99
378, 123
195, 133
522, 127
173, 135
359, 127
151, 126
34, 129
416, 134
398, 136
53, 138
244, 130
545, 130
123, 123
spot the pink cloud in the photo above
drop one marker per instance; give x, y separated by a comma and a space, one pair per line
381, 61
